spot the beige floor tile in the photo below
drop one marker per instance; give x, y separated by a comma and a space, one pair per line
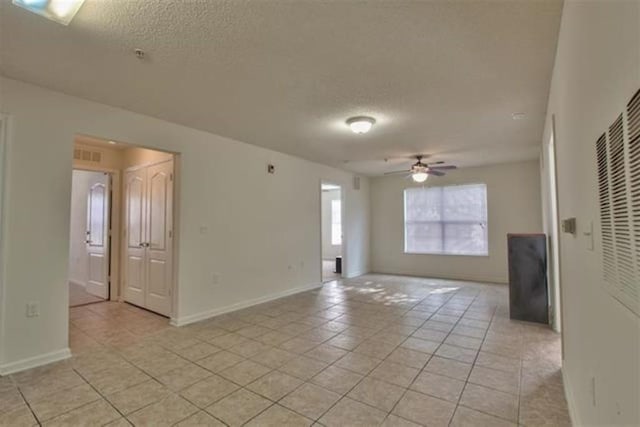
120, 422
337, 379
303, 367
501, 363
408, 357
463, 341
430, 335
239, 407
423, 409
448, 367
10, 398
375, 349
345, 342
456, 353
418, 344
489, 401
220, 361
197, 351
358, 363
396, 421
42, 385
183, 377
19, 416
249, 348
465, 417
136, 397
468, 331
166, 412
503, 381
310, 400
274, 358
298, 345
115, 379
200, 419
245, 372
63, 401
395, 373
348, 412
92, 414
438, 386
277, 416
273, 338
227, 341
326, 353
275, 385
208, 391
377, 393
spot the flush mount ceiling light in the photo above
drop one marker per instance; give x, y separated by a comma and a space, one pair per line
60, 11
361, 124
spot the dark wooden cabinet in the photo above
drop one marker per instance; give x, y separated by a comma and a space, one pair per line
528, 292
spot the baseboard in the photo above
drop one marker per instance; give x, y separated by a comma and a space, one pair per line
182, 321
568, 395
32, 362
355, 274
463, 278
77, 282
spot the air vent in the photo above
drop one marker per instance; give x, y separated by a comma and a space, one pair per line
618, 161
85, 155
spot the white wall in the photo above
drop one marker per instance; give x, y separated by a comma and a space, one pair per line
258, 232
513, 205
78, 259
597, 70
329, 250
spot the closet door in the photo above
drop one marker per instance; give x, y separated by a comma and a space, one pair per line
159, 248
97, 242
135, 236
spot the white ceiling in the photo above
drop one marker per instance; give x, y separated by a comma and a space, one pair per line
440, 77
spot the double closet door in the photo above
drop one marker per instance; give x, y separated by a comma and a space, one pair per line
148, 264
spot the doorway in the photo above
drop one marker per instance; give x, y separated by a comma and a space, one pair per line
553, 232
331, 231
89, 242
122, 225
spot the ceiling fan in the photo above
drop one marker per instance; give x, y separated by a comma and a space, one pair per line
419, 171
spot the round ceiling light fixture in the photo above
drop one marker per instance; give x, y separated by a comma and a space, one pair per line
361, 124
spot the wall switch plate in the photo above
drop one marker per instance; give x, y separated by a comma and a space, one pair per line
33, 309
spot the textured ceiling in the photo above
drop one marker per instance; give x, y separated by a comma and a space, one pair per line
440, 77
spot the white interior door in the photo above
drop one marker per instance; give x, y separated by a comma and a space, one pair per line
97, 242
149, 237
135, 236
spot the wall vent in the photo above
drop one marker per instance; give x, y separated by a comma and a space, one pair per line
618, 162
86, 155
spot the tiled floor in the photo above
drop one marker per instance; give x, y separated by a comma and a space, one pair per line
387, 350
328, 270
79, 296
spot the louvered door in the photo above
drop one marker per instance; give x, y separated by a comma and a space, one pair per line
618, 162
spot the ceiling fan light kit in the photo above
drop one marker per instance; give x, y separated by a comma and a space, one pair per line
419, 172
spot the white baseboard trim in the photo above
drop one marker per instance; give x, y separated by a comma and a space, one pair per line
32, 362
568, 394
77, 282
185, 320
458, 277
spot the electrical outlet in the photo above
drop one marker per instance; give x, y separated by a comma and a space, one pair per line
33, 309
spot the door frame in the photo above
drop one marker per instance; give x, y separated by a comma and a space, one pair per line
5, 135
115, 209
175, 157
342, 223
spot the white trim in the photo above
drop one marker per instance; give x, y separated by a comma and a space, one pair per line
77, 282
181, 321
463, 278
568, 395
33, 362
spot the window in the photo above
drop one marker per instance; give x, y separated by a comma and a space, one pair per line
336, 223
446, 220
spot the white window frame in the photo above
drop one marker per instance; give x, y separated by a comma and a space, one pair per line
443, 223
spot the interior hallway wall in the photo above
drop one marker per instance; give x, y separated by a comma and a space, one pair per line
597, 71
244, 235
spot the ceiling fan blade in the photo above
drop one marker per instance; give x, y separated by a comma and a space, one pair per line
396, 172
435, 172
446, 167
439, 162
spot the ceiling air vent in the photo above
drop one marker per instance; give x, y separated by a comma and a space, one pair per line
618, 161
86, 155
